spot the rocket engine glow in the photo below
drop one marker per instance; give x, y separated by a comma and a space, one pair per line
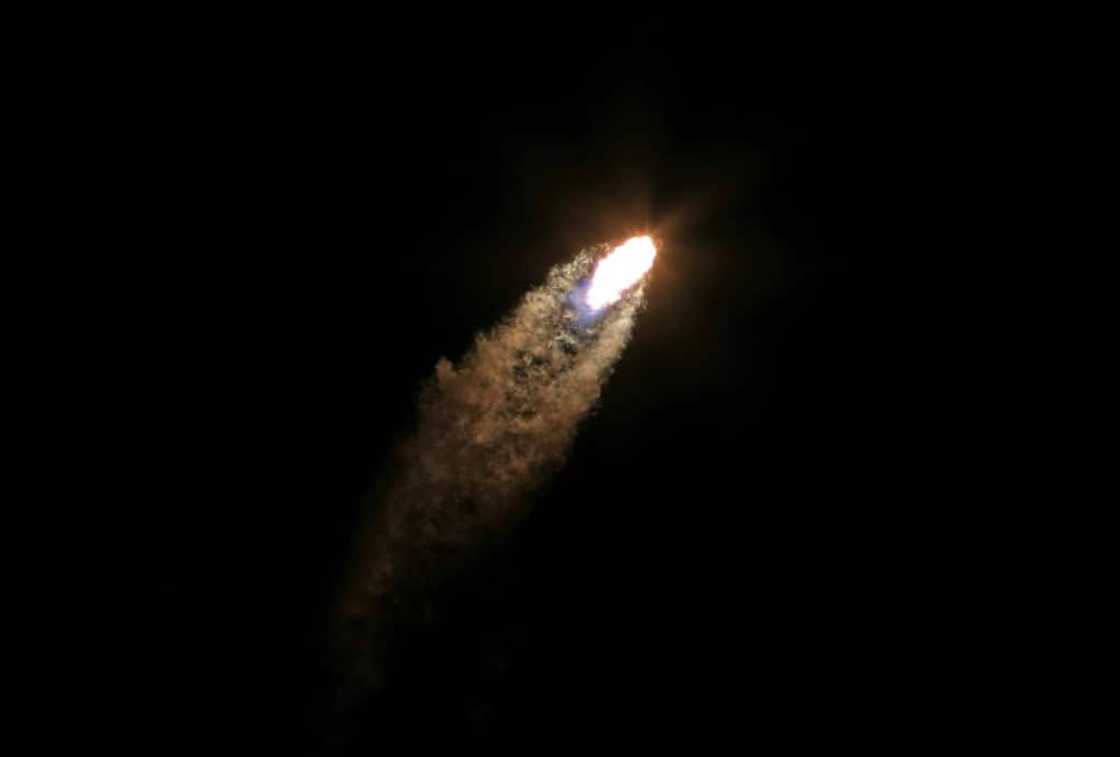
620, 270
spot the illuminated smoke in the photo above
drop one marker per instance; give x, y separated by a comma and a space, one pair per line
490, 430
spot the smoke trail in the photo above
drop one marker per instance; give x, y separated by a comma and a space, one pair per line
490, 430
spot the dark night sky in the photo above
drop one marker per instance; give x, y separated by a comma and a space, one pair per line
326, 210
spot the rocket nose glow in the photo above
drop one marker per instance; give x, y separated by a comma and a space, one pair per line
620, 270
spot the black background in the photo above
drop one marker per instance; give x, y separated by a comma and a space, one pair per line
735, 551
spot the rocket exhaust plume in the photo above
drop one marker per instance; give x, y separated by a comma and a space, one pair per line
490, 430
620, 270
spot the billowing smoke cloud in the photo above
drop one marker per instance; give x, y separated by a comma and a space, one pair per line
491, 429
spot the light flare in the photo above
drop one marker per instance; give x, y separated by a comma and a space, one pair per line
620, 270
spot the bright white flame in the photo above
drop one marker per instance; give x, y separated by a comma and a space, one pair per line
620, 270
